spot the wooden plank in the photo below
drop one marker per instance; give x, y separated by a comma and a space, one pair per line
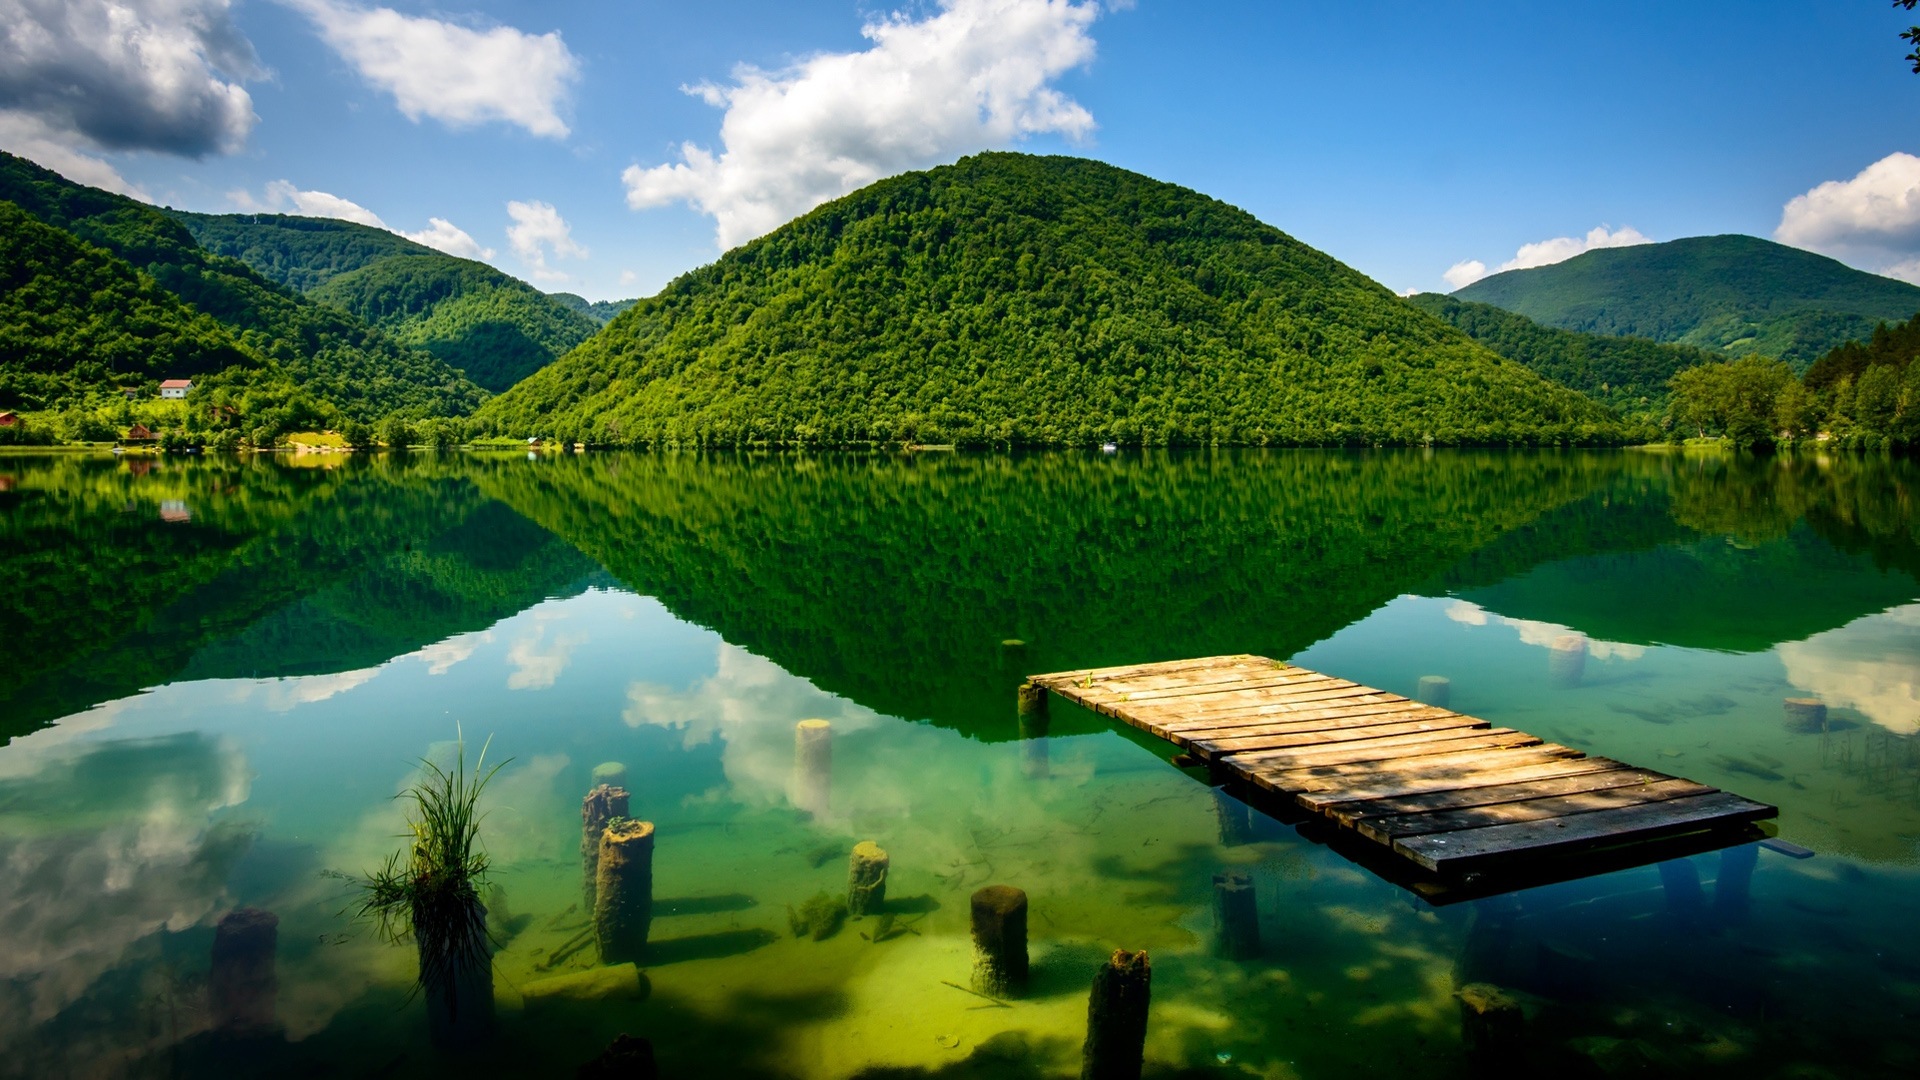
1365, 727
1277, 712
1195, 677
1252, 701
1458, 851
1387, 829
1281, 688
1125, 669
1390, 748
1386, 786
1462, 798
1462, 766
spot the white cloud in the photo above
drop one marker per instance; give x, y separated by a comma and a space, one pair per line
539, 233
158, 75
537, 663
459, 76
1872, 219
284, 196
1547, 252
443, 235
973, 75
29, 137
1871, 665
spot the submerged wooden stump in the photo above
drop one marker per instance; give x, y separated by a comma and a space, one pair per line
1000, 941
1235, 818
604, 803
610, 773
623, 910
813, 766
1034, 724
1567, 662
1435, 690
1805, 716
1492, 1028
242, 985
867, 879
1117, 1018
1236, 917
1732, 888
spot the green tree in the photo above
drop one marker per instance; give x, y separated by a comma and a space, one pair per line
396, 433
358, 434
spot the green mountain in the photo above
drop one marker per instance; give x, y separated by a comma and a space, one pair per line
74, 314
1013, 299
1629, 374
600, 311
1739, 294
301, 253
495, 328
324, 352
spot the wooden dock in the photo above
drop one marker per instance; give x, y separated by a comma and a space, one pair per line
1452, 794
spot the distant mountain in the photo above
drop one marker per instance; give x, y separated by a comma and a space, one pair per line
312, 349
600, 311
301, 253
1736, 294
1629, 374
494, 327
1013, 299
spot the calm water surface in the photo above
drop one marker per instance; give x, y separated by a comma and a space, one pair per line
220, 672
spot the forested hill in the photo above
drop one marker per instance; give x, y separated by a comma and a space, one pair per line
324, 352
298, 252
1014, 299
494, 327
600, 311
1737, 294
1629, 374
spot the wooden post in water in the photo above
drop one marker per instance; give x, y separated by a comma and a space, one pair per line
1435, 690
602, 804
1568, 660
1000, 941
1236, 917
1034, 723
623, 909
1117, 1018
867, 879
1732, 888
1235, 817
1685, 900
813, 766
242, 985
1492, 1028
1805, 716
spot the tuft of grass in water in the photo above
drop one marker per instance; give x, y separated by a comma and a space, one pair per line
430, 892
819, 917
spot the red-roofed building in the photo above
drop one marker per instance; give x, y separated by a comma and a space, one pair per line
139, 433
176, 389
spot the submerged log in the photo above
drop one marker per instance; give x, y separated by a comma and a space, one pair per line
1492, 1028
1435, 690
1567, 662
1236, 917
620, 982
813, 766
604, 803
243, 985
1805, 716
1117, 1018
867, 879
623, 911
1000, 941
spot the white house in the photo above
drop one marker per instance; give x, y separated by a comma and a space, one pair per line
176, 389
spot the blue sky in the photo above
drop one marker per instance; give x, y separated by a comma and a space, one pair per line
1411, 140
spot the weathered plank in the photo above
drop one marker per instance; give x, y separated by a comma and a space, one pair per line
1417, 784
1285, 687
1463, 766
1215, 743
1388, 829
1078, 674
1398, 749
1302, 708
1461, 798
1459, 851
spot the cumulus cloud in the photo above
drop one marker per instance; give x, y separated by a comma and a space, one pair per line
30, 137
459, 76
1873, 219
539, 233
974, 74
1546, 253
159, 75
284, 196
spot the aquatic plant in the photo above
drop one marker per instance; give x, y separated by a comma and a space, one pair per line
819, 917
430, 893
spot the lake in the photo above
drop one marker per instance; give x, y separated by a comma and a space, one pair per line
221, 671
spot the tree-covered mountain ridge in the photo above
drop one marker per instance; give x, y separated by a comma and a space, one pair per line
1011, 299
1739, 295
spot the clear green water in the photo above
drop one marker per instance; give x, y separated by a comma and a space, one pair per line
219, 673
